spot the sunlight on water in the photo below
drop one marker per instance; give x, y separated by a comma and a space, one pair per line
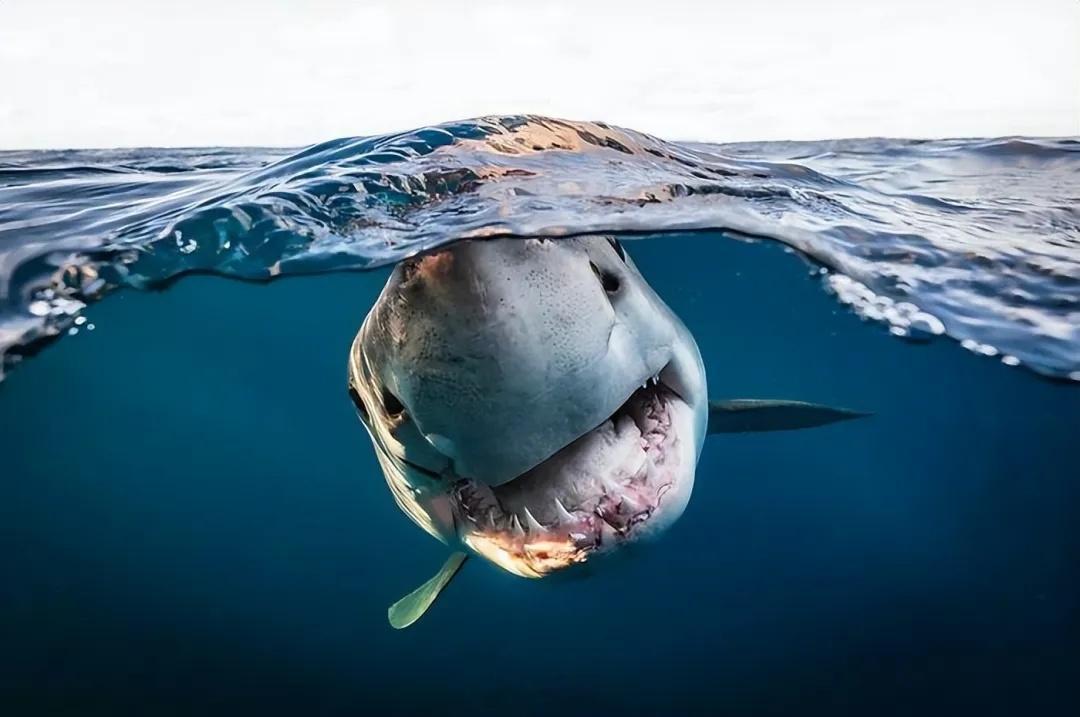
976, 239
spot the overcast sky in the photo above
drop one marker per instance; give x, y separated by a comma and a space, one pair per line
97, 73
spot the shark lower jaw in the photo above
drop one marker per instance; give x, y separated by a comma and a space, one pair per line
626, 479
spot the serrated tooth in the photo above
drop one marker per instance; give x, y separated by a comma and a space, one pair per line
565, 516
533, 523
515, 526
633, 503
604, 521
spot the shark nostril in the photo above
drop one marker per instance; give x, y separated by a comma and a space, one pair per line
609, 281
359, 403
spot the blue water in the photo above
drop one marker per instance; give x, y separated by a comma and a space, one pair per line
193, 522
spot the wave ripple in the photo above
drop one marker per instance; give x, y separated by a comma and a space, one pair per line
977, 239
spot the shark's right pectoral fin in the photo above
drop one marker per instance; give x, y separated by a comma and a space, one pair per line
750, 415
411, 608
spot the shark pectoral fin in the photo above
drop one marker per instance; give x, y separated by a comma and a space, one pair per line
411, 608
745, 415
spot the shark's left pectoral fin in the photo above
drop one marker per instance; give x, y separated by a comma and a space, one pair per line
411, 608
746, 415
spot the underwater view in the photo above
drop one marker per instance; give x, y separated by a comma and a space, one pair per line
768, 428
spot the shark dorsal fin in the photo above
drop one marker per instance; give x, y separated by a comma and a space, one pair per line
743, 415
412, 607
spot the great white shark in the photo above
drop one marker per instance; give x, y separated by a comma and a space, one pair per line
535, 403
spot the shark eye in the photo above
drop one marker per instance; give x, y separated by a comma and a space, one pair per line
391, 403
359, 403
609, 281
617, 247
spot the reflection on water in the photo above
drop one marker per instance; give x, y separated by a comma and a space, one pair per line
980, 238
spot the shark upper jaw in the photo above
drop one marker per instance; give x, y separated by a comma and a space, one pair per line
627, 479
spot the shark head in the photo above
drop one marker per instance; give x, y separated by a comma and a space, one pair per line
533, 400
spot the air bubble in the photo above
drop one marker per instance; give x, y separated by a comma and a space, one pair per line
904, 318
924, 322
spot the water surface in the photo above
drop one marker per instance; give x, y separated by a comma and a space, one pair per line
977, 239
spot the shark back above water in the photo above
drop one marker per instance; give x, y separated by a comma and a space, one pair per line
535, 403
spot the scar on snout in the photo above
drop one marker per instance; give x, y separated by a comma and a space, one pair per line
432, 266
425, 267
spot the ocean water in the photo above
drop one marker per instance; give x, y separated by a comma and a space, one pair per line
193, 520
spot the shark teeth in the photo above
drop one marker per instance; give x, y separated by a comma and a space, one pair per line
632, 503
652, 381
610, 500
565, 516
532, 522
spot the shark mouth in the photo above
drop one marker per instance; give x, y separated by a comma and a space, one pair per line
627, 478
